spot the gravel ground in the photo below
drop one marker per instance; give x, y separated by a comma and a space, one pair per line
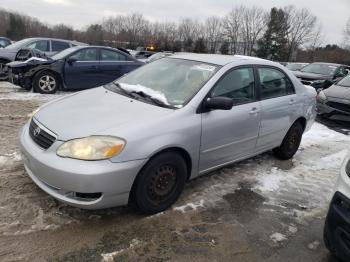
260, 209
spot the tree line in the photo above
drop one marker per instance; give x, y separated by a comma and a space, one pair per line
280, 34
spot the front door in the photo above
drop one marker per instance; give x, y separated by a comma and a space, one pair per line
83, 73
229, 135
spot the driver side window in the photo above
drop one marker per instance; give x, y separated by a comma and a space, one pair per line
237, 85
42, 45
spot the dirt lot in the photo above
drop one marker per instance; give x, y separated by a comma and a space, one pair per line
260, 209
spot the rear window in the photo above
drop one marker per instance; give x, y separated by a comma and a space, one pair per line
58, 46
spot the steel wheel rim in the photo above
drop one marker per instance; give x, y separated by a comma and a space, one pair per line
47, 83
162, 183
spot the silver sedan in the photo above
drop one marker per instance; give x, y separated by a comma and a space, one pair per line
141, 137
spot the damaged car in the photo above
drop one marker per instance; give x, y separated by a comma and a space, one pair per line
140, 138
334, 102
322, 75
76, 68
49, 46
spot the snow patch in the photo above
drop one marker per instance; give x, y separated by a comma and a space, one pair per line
9, 158
278, 237
110, 257
190, 206
140, 88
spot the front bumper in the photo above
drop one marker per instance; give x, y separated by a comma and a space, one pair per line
20, 80
332, 112
63, 178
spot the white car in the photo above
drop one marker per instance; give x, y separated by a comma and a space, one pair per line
337, 226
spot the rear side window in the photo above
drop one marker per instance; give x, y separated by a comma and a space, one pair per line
58, 46
89, 54
42, 45
109, 55
274, 83
237, 85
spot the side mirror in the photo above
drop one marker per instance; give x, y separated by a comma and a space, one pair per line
72, 60
218, 103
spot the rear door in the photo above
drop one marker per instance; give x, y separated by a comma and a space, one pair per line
278, 106
229, 135
114, 64
84, 72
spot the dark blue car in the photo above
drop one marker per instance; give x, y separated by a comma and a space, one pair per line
75, 68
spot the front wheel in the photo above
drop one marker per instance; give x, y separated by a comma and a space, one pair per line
160, 183
290, 143
45, 83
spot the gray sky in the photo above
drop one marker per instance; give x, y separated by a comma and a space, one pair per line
79, 13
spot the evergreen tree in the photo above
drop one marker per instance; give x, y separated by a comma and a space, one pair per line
274, 43
199, 46
224, 48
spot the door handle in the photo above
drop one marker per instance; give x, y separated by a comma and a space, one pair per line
291, 102
93, 67
254, 111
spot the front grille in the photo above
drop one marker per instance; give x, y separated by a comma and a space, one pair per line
339, 106
41, 137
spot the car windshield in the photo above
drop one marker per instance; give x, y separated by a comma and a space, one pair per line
172, 82
65, 53
295, 66
344, 82
320, 69
19, 44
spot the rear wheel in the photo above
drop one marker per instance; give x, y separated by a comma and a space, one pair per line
45, 83
160, 183
290, 143
3, 70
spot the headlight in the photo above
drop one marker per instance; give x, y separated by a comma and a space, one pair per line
347, 168
321, 97
318, 81
92, 148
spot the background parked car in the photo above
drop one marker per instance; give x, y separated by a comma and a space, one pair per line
334, 102
49, 46
79, 67
143, 55
4, 42
337, 227
296, 66
322, 75
157, 56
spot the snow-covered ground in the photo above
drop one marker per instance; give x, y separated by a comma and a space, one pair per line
289, 194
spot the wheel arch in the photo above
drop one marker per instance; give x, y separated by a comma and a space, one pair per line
179, 150
302, 121
59, 77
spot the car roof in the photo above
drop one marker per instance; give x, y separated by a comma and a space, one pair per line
331, 64
217, 59
58, 39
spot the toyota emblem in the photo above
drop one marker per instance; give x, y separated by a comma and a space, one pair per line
37, 131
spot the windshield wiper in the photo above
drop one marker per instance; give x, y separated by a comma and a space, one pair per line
152, 99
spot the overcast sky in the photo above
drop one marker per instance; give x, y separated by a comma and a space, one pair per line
333, 14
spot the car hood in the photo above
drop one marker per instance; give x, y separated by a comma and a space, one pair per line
93, 111
340, 92
310, 76
8, 53
31, 61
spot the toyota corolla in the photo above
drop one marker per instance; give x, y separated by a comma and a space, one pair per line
140, 138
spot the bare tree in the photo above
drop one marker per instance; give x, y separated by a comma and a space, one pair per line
347, 34
213, 32
232, 24
317, 40
189, 31
254, 22
135, 25
301, 24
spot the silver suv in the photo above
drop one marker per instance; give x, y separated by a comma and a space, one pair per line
140, 138
49, 46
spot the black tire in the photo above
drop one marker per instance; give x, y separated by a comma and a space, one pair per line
46, 82
3, 72
160, 183
290, 143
